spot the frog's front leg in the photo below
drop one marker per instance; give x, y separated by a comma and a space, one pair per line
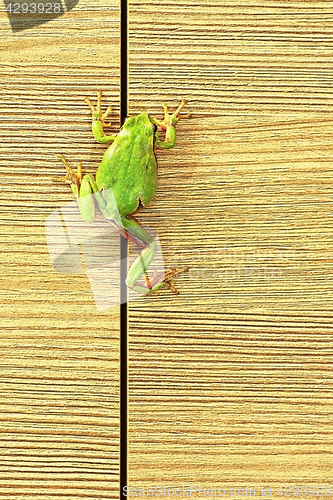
83, 187
98, 120
143, 261
168, 124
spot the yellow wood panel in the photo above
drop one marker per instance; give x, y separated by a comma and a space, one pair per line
230, 382
59, 356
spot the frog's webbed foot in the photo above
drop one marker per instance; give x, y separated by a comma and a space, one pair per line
170, 120
97, 112
98, 120
72, 177
170, 275
158, 280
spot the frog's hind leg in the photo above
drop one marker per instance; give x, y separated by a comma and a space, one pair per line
83, 187
143, 261
140, 265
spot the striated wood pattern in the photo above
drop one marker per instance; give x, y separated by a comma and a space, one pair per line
230, 382
59, 356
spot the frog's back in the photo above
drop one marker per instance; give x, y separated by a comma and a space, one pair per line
129, 165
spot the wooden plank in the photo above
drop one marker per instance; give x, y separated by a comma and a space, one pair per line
230, 381
59, 366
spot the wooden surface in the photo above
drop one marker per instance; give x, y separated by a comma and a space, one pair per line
59, 356
230, 382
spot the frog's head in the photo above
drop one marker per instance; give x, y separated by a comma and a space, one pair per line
146, 122
142, 125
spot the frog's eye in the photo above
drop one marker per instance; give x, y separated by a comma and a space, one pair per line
129, 120
151, 119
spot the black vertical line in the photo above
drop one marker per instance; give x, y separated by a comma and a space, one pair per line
123, 470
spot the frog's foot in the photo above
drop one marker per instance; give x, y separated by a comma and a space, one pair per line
171, 274
72, 177
170, 120
159, 281
97, 112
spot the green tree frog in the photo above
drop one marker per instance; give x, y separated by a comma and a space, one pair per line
129, 168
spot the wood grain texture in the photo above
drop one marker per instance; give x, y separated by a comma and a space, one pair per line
230, 382
59, 356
